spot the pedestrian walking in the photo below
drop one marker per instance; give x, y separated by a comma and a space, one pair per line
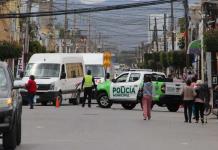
202, 98
147, 98
188, 99
31, 89
88, 83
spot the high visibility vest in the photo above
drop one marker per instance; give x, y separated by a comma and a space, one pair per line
88, 81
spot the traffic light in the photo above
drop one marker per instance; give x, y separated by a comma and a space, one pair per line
107, 59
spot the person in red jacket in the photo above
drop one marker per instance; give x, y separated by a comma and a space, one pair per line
31, 88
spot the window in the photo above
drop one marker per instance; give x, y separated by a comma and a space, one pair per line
3, 79
134, 77
42, 70
74, 70
122, 78
96, 70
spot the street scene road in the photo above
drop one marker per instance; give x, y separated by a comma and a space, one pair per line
74, 127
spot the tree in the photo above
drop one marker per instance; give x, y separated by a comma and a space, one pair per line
35, 47
9, 50
163, 59
211, 40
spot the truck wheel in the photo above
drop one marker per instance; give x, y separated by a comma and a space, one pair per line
128, 106
76, 101
9, 138
103, 101
19, 131
173, 107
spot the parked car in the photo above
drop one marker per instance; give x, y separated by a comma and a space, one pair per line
10, 109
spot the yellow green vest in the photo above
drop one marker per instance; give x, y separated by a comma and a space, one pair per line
88, 81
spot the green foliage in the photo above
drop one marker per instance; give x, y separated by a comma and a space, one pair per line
35, 47
9, 50
181, 43
61, 33
162, 60
181, 23
211, 40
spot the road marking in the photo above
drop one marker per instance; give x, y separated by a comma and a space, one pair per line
184, 143
39, 127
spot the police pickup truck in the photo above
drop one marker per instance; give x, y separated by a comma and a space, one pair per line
126, 87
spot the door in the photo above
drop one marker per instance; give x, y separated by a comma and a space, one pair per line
125, 87
62, 81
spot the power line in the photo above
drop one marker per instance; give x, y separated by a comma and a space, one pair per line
86, 10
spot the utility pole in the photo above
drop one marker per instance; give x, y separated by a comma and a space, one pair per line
65, 29
185, 2
89, 34
165, 34
74, 33
156, 33
26, 36
172, 25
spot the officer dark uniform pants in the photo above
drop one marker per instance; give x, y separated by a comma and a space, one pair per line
87, 92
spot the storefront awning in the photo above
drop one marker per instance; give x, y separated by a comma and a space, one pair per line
194, 47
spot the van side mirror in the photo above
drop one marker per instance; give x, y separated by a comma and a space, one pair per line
63, 75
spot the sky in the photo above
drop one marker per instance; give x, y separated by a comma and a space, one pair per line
123, 29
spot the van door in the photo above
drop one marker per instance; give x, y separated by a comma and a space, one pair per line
125, 87
62, 82
74, 78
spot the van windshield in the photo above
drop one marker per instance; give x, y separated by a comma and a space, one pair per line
42, 70
97, 70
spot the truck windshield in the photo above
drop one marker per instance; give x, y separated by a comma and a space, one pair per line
42, 70
97, 70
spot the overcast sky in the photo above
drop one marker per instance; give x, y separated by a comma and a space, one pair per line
124, 29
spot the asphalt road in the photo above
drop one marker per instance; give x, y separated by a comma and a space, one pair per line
76, 128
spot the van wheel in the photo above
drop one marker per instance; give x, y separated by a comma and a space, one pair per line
76, 101
103, 101
173, 107
9, 138
128, 106
19, 131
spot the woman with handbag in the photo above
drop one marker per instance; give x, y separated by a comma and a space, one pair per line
147, 98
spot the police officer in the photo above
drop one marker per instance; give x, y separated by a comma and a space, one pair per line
88, 83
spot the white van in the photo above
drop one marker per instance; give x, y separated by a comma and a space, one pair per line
57, 75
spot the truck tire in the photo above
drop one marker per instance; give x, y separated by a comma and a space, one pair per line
173, 107
19, 131
103, 101
9, 138
128, 106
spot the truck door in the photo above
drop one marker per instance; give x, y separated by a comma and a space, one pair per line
125, 87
